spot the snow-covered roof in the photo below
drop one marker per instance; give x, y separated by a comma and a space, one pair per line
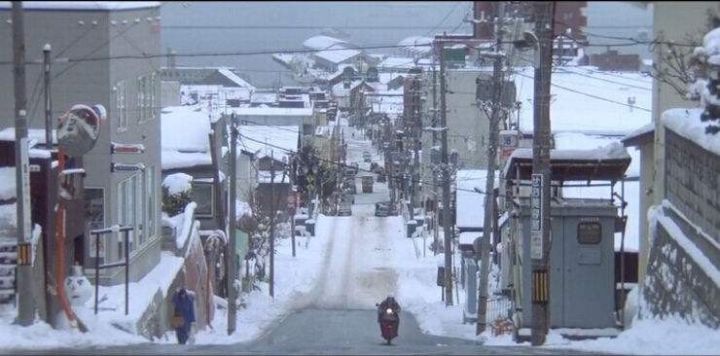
263, 141
588, 100
217, 94
185, 128
235, 78
172, 159
574, 141
266, 177
686, 123
614, 150
271, 111
35, 135
468, 237
470, 210
388, 77
83, 5
644, 130
397, 63
337, 54
417, 41
322, 42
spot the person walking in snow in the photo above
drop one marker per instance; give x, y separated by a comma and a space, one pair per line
184, 314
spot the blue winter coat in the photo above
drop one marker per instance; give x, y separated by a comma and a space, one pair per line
184, 306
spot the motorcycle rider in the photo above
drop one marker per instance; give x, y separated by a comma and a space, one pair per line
390, 303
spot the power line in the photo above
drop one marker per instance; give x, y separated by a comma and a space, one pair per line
221, 54
297, 27
565, 70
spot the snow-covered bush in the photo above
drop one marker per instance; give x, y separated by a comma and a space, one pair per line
177, 190
706, 60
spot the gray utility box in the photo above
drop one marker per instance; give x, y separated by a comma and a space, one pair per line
581, 262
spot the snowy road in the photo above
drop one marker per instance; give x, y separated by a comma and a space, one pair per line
337, 314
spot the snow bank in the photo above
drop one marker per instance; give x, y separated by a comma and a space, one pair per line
294, 278
671, 336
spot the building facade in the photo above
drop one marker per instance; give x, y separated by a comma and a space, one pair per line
93, 36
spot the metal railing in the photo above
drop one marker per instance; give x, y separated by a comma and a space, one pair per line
126, 262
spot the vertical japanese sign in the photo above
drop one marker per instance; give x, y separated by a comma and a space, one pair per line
536, 223
24, 165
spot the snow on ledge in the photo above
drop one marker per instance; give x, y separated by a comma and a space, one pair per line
188, 218
686, 123
690, 248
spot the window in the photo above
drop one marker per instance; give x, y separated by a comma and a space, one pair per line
150, 193
120, 91
95, 218
127, 209
146, 99
202, 195
141, 99
589, 233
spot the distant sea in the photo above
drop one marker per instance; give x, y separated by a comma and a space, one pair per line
278, 26
285, 25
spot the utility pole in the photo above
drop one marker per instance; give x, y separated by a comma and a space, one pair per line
482, 244
432, 160
25, 293
540, 240
48, 101
230, 256
272, 223
445, 181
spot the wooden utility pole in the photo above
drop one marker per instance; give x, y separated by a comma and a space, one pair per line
445, 166
482, 244
540, 238
23, 275
272, 224
436, 216
230, 257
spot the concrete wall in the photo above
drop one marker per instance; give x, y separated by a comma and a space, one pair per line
683, 22
678, 279
676, 284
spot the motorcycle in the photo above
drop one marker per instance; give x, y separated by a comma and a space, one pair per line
389, 321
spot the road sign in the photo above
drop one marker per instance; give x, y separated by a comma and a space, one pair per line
127, 148
536, 221
126, 167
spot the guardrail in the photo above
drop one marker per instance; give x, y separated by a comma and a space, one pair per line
126, 262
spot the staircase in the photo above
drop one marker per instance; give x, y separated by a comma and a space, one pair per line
8, 262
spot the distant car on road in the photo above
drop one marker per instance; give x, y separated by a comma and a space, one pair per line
383, 209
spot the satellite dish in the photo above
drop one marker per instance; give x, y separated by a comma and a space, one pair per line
79, 128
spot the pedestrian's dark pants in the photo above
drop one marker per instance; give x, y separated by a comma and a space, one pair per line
182, 335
